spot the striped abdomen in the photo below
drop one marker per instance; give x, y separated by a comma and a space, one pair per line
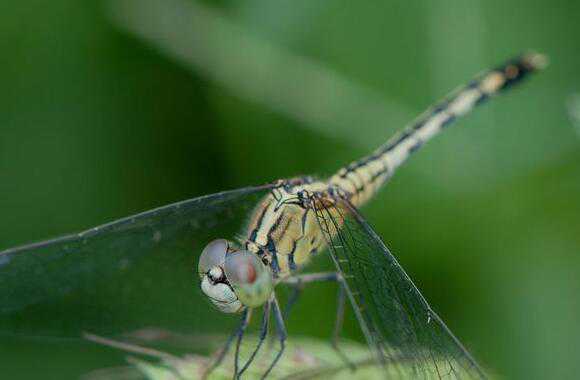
362, 179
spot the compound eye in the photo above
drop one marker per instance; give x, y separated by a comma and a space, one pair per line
250, 279
243, 268
213, 255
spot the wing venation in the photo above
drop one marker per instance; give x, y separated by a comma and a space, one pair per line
408, 337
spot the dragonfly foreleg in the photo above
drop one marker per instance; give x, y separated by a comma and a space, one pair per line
241, 330
226, 346
280, 332
262, 336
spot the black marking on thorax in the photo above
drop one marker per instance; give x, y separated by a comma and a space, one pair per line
272, 250
291, 263
258, 226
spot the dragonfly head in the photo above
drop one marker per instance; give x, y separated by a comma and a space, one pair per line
233, 278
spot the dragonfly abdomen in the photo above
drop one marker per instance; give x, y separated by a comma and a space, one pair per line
362, 179
283, 229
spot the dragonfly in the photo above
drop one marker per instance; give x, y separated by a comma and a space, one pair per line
275, 230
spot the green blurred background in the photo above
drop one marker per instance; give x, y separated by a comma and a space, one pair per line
108, 109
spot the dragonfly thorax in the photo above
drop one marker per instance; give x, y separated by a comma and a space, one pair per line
283, 230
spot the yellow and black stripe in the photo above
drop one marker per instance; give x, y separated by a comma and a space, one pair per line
363, 178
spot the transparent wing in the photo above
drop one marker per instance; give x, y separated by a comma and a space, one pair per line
136, 272
407, 336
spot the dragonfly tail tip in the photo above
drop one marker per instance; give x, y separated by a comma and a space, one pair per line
535, 60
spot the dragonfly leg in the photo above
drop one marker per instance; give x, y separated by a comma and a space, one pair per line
311, 277
296, 292
261, 337
245, 321
226, 348
300, 280
297, 282
341, 299
280, 332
